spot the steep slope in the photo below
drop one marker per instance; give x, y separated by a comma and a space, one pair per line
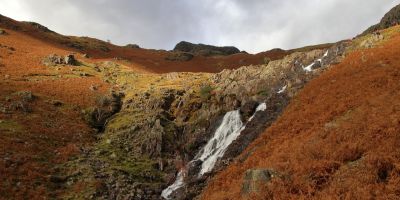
40, 123
338, 139
46, 110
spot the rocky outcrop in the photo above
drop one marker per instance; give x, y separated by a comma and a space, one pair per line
165, 120
205, 50
132, 46
179, 56
54, 60
391, 18
274, 84
106, 106
39, 27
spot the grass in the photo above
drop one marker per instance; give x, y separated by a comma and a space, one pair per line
8, 126
335, 139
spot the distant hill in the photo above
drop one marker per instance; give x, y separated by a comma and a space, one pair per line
205, 50
390, 19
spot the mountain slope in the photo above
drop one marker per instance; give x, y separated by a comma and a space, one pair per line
120, 123
337, 139
155, 61
390, 19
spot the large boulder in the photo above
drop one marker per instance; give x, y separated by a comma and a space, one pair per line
255, 180
205, 50
70, 60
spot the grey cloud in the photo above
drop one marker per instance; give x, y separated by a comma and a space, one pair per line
252, 25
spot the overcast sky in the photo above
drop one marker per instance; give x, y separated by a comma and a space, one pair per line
251, 25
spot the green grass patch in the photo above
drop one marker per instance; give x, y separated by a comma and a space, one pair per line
8, 126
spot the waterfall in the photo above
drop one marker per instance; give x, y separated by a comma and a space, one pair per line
228, 131
176, 185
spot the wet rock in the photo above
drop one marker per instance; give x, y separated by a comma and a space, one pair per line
248, 109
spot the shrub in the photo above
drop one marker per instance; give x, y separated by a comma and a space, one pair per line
263, 93
205, 92
266, 60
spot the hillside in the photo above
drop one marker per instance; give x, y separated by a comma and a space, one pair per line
156, 61
391, 18
338, 138
81, 118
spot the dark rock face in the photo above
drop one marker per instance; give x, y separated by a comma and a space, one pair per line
205, 50
248, 109
262, 120
179, 56
106, 107
70, 60
133, 46
391, 18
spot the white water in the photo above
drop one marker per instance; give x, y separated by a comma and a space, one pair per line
176, 185
261, 107
309, 67
227, 132
282, 90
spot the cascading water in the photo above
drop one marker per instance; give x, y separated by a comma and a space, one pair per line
227, 132
176, 185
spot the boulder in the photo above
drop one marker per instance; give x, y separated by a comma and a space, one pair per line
70, 60
255, 180
54, 60
2, 32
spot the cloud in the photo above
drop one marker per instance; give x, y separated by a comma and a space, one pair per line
251, 25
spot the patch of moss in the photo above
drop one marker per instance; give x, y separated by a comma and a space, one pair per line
263, 93
8, 126
205, 92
